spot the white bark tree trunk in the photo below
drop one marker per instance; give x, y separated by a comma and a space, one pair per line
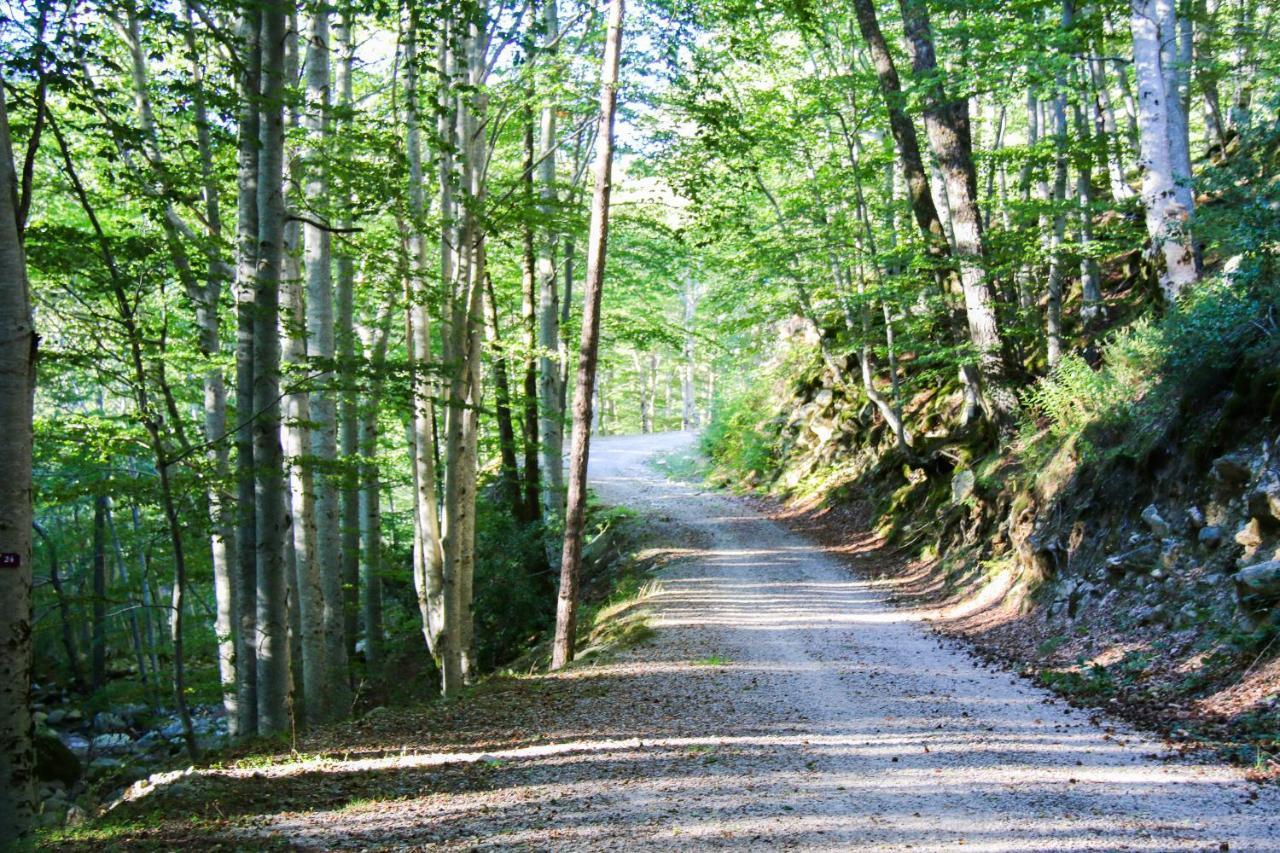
271, 521
428, 555
321, 347
1176, 71
17, 387
688, 369
1168, 220
246, 264
344, 271
550, 387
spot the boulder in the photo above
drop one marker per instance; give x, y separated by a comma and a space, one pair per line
1139, 559
1250, 536
106, 721
823, 398
112, 742
1210, 536
963, 484
1232, 470
1264, 499
54, 761
1195, 518
1261, 580
1160, 527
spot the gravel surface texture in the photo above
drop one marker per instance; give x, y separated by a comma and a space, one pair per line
782, 704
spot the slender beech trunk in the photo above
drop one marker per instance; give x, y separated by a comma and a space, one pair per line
305, 594
122, 577
98, 671
509, 468
246, 573
348, 418
374, 341
642, 377
65, 618
550, 388
1120, 189
1168, 220
1057, 273
222, 537
18, 342
463, 337
529, 326
271, 521
1091, 308
334, 680
688, 367
428, 571
598, 240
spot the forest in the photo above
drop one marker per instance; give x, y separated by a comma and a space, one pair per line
333, 336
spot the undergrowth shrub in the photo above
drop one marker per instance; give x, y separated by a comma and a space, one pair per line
738, 437
1148, 369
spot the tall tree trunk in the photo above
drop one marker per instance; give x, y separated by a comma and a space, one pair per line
222, 537
1168, 221
1120, 189
374, 341
1175, 69
334, 680
122, 577
345, 273
249, 31
429, 556
1091, 308
1053, 310
947, 123
550, 388
598, 240
305, 594
64, 612
18, 342
529, 325
509, 470
688, 367
98, 673
271, 521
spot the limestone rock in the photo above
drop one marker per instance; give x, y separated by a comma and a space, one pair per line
1210, 536
1232, 470
1160, 527
963, 484
1261, 580
112, 742
1264, 500
109, 722
1250, 536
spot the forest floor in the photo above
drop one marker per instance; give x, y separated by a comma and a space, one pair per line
781, 702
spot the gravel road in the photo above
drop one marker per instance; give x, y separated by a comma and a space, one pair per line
783, 703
